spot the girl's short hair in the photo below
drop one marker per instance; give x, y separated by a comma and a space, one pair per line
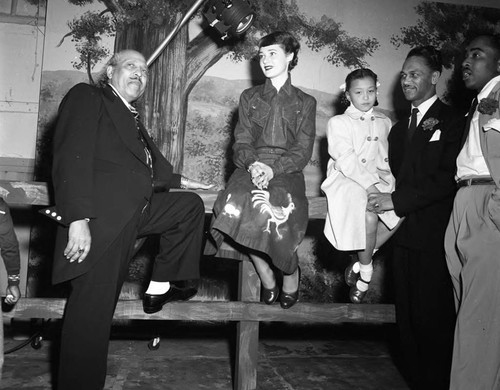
285, 40
358, 74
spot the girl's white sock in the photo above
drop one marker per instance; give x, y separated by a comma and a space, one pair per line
366, 271
361, 286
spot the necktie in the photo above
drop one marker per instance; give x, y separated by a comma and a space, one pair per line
147, 151
413, 124
470, 114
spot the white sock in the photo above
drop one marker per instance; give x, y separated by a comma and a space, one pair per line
355, 267
366, 271
158, 288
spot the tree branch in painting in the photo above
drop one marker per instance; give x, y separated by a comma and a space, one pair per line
447, 27
143, 24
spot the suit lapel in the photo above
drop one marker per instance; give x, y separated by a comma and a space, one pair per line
423, 136
419, 141
124, 123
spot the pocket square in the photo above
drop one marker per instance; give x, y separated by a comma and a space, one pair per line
493, 123
436, 136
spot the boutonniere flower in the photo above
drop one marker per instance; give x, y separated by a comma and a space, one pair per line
487, 106
429, 124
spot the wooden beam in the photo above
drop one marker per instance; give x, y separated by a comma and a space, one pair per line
38, 193
302, 312
25, 192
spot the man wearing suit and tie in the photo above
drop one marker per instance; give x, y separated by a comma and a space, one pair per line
473, 235
111, 185
422, 153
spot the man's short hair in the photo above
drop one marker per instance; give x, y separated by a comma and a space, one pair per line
430, 54
493, 40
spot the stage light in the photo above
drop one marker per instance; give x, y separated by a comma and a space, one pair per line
229, 17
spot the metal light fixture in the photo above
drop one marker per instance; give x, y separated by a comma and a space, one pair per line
229, 17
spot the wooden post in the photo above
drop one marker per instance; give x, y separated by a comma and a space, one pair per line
247, 332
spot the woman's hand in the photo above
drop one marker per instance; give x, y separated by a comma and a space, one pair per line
261, 175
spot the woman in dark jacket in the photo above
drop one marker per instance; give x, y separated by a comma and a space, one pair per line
264, 207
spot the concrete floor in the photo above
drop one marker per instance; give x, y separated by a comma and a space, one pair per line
199, 356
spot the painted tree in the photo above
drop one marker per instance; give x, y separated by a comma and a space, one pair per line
447, 27
143, 24
87, 32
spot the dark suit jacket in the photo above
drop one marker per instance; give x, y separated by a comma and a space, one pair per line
100, 171
425, 176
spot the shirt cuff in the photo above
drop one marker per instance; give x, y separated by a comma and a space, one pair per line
13, 280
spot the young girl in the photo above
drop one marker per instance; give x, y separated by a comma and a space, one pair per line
358, 147
264, 208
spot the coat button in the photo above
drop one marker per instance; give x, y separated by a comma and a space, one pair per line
363, 160
53, 214
386, 159
372, 118
369, 138
376, 138
362, 118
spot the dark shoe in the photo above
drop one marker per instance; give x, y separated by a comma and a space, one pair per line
287, 300
350, 276
270, 295
154, 303
356, 295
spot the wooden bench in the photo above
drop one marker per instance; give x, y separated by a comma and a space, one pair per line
247, 311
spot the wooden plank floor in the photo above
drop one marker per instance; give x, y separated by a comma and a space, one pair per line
195, 356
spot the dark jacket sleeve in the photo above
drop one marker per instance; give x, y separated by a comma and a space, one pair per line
243, 148
74, 145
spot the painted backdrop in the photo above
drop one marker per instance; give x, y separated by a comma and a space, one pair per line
340, 36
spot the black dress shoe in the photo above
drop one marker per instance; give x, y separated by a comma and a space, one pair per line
355, 294
350, 276
287, 300
270, 295
154, 303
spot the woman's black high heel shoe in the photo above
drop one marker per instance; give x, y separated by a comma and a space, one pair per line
269, 295
287, 300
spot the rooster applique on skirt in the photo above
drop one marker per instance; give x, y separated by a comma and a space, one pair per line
272, 220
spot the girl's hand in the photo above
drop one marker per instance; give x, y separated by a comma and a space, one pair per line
372, 190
